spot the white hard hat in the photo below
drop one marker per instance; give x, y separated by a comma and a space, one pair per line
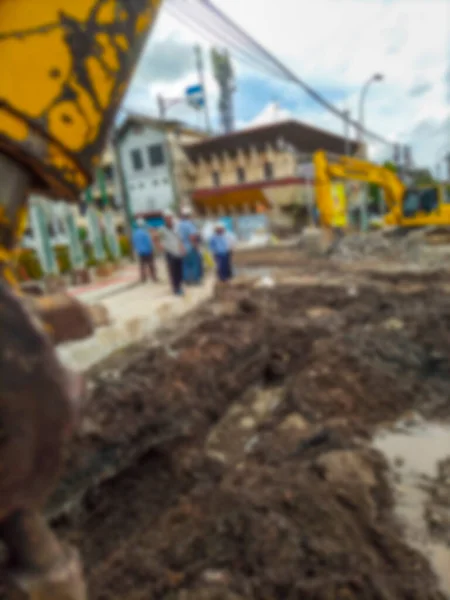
140, 222
167, 213
186, 211
219, 225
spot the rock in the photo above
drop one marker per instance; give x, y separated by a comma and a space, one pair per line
265, 282
319, 312
65, 318
224, 309
347, 466
211, 592
217, 456
235, 410
247, 423
294, 421
266, 401
393, 324
251, 443
216, 576
89, 428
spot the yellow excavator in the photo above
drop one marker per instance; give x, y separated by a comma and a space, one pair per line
66, 67
406, 206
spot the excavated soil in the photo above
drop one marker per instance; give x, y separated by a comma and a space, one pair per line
231, 460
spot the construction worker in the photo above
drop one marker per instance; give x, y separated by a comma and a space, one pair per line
143, 246
175, 251
221, 248
192, 260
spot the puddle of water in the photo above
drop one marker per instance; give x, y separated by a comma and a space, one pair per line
413, 454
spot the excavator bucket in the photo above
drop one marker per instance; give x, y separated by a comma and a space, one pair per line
68, 66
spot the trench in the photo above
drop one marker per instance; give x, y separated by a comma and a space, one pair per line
241, 459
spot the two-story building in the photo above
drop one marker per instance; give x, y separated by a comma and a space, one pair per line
253, 169
154, 164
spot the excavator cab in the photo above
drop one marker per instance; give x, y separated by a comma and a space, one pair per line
420, 201
428, 205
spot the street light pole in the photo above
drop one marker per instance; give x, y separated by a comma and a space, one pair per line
362, 100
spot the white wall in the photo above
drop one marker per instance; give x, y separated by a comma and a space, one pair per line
150, 189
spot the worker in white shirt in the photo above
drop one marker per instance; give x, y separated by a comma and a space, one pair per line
174, 251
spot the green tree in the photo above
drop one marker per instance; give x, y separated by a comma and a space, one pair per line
391, 166
423, 177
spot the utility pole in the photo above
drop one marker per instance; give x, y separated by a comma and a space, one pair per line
161, 108
201, 78
438, 171
447, 162
364, 220
347, 132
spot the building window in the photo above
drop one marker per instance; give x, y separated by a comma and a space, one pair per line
136, 160
216, 179
156, 155
240, 174
268, 170
108, 170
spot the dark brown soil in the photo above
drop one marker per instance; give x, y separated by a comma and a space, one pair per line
304, 512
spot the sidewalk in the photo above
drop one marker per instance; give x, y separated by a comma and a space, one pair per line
136, 310
94, 292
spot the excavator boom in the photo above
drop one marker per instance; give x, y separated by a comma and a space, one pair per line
346, 167
407, 207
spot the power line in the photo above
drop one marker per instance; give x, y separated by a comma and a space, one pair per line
213, 36
265, 58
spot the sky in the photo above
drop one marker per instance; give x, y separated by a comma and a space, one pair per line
333, 45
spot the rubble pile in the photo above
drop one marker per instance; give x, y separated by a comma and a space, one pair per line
397, 245
231, 461
426, 246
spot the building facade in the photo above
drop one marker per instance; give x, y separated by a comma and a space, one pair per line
108, 176
154, 164
259, 168
56, 225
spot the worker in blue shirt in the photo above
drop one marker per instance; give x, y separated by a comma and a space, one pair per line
143, 247
192, 260
220, 246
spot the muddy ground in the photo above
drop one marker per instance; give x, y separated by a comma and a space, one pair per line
231, 458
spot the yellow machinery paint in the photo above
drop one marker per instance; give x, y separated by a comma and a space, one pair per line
66, 67
339, 200
397, 196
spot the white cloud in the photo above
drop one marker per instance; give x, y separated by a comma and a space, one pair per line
335, 44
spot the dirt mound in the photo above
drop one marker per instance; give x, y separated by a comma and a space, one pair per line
310, 530
287, 502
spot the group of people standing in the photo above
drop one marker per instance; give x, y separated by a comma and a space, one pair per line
181, 243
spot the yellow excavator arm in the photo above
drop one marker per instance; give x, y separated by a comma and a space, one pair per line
346, 167
407, 206
66, 65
